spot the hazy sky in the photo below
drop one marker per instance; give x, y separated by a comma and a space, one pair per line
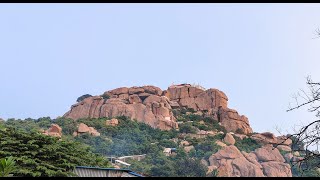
258, 54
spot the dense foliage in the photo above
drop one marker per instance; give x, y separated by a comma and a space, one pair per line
129, 137
247, 144
159, 165
39, 155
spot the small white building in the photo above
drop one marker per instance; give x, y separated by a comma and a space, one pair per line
167, 151
119, 162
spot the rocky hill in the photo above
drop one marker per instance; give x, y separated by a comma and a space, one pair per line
181, 131
151, 105
238, 152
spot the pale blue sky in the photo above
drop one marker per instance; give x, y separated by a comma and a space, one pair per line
258, 54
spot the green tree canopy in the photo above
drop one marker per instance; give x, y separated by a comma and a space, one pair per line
40, 155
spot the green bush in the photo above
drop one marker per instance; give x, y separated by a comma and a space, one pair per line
247, 144
240, 131
81, 98
105, 96
187, 128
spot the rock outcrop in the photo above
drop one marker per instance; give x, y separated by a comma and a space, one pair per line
112, 122
151, 105
55, 130
229, 139
263, 162
145, 104
83, 128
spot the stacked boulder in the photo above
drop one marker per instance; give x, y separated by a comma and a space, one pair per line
151, 105
263, 162
83, 128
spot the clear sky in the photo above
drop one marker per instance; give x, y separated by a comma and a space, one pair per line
258, 54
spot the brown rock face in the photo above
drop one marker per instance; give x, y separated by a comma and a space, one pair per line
55, 131
268, 153
144, 104
265, 138
284, 148
231, 163
229, 139
233, 122
83, 128
284, 140
227, 152
276, 169
112, 122
151, 105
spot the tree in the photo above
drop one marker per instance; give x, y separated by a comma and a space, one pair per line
308, 136
40, 155
6, 166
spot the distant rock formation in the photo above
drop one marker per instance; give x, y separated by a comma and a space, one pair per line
55, 130
83, 128
263, 162
112, 122
151, 105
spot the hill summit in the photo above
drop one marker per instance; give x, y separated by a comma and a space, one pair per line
157, 108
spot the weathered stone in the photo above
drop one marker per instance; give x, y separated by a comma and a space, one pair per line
123, 96
243, 168
288, 157
152, 98
265, 138
143, 96
156, 110
219, 143
228, 139
284, 148
83, 128
174, 104
187, 149
152, 90
251, 157
276, 169
93, 132
228, 152
211, 98
268, 153
134, 99
241, 136
112, 122
135, 90
121, 90
55, 130
245, 165
283, 140
233, 122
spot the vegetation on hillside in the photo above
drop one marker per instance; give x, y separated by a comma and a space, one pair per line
39, 155
129, 137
